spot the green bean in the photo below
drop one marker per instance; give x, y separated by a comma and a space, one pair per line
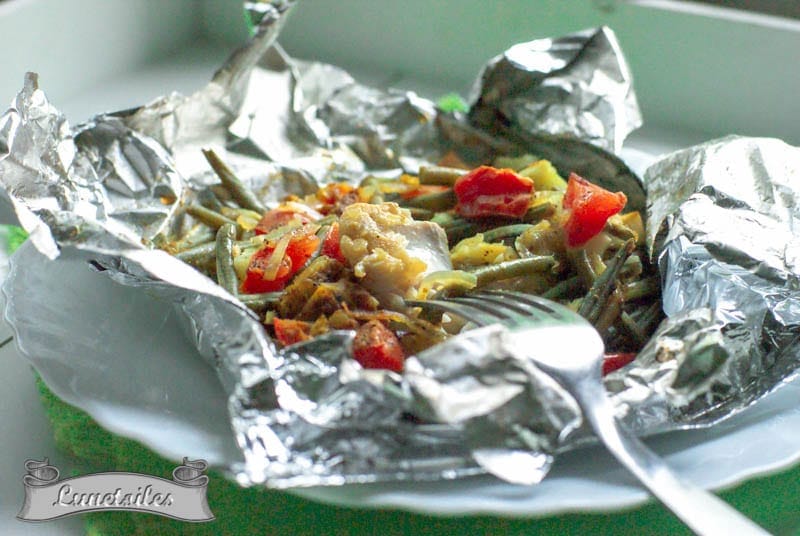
447, 219
632, 328
515, 268
610, 312
539, 212
196, 236
226, 275
620, 230
240, 193
198, 254
327, 220
207, 252
595, 300
237, 212
260, 302
207, 198
436, 202
215, 220
651, 316
515, 162
440, 175
643, 288
457, 233
565, 288
632, 268
580, 260
506, 231
420, 214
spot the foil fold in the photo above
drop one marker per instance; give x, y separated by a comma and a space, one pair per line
309, 415
722, 222
578, 85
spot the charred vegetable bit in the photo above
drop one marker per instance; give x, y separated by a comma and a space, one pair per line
347, 257
290, 332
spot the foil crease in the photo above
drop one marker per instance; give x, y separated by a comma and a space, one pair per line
579, 85
309, 415
723, 219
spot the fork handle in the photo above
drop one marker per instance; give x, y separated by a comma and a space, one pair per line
701, 511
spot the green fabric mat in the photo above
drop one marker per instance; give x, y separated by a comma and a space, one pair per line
773, 501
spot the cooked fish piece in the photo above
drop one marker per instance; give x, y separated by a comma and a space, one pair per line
390, 252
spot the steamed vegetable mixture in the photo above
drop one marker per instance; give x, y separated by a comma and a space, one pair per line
348, 256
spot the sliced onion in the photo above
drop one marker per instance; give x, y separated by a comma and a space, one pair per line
274, 263
452, 281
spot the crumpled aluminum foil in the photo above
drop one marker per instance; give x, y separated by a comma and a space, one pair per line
310, 415
723, 219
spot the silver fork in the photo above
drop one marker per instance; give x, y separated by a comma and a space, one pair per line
566, 347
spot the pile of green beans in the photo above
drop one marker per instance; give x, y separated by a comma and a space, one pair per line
620, 295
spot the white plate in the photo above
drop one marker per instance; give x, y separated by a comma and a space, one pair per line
119, 354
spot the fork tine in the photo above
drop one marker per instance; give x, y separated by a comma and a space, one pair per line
509, 308
536, 305
479, 314
498, 314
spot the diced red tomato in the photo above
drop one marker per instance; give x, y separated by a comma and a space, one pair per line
424, 189
302, 246
330, 245
291, 331
612, 362
589, 208
488, 191
376, 347
280, 216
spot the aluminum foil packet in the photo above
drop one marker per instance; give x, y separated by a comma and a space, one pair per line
309, 415
723, 219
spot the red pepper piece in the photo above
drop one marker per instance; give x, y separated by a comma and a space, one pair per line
301, 247
612, 362
376, 347
487, 191
291, 331
330, 245
589, 208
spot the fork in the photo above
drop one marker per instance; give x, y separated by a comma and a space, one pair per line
566, 347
